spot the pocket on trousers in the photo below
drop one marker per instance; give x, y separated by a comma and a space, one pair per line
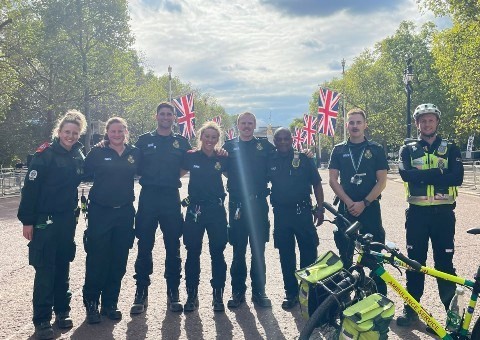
36, 256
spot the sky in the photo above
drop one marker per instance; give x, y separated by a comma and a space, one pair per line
262, 56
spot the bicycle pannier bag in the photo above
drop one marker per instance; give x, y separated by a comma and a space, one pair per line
368, 319
310, 294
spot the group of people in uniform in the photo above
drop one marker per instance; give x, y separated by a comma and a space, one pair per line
430, 166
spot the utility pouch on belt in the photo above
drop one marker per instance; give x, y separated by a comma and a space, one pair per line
315, 281
368, 319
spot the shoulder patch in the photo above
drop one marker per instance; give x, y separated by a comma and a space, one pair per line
42, 147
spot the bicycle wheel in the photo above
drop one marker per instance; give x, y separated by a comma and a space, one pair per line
322, 313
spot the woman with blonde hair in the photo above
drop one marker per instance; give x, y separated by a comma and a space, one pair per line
110, 233
47, 211
205, 211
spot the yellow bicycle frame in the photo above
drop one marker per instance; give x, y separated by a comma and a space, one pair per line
416, 306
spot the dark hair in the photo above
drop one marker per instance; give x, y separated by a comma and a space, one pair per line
165, 104
357, 111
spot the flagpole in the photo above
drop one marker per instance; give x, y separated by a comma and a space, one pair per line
343, 106
169, 84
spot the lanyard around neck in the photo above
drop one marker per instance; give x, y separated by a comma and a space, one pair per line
356, 167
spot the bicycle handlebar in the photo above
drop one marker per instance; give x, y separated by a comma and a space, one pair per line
353, 228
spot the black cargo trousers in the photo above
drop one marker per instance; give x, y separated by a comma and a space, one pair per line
107, 241
50, 252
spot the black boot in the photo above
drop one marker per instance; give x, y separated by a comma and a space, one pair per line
236, 300
44, 331
63, 320
141, 300
93, 316
192, 300
261, 299
290, 301
217, 302
173, 300
408, 317
111, 311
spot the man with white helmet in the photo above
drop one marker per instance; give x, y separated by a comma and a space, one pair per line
432, 169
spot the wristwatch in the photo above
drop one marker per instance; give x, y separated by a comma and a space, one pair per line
366, 202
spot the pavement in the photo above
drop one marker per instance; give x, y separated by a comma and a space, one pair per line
246, 322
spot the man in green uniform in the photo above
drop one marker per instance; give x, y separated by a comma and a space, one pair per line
432, 169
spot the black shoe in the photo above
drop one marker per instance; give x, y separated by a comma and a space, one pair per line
93, 316
217, 302
192, 300
407, 318
44, 331
173, 301
261, 299
63, 320
141, 300
112, 312
236, 300
289, 301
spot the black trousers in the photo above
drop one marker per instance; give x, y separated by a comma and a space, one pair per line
108, 240
158, 206
371, 220
291, 225
213, 219
50, 252
249, 225
436, 223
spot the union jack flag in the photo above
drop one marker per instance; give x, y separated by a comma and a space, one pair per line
298, 139
218, 120
309, 129
327, 111
230, 133
185, 112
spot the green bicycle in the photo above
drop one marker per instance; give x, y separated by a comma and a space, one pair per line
350, 286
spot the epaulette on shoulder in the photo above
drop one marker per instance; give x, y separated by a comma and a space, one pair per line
410, 141
341, 143
373, 143
43, 147
262, 138
179, 136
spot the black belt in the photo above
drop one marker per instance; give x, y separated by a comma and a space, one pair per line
240, 199
110, 207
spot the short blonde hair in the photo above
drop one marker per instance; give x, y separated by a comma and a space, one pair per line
71, 116
114, 120
208, 125
246, 113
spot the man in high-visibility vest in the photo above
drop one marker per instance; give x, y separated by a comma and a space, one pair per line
432, 169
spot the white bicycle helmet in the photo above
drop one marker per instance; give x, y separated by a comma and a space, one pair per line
426, 108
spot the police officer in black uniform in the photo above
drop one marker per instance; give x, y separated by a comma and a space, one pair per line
248, 209
205, 211
48, 213
293, 175
110, 233
432, 169
159, 203
362, 167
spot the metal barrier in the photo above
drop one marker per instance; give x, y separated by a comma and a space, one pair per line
472, 171
11, 181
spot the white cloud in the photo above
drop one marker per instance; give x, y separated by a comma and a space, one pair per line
252, 57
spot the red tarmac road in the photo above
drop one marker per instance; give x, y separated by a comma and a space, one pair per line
247, 322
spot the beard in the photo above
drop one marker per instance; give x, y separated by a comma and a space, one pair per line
429, 135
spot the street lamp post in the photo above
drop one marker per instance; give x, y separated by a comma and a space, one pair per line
169, 84
407, 80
